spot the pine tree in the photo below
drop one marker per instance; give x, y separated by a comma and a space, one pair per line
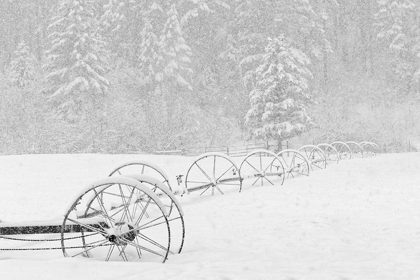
280, 97
149, 52
22, 67
112, 23
76, 62
174, 60
397, 22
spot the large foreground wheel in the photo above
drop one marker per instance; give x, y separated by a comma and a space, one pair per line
315, 156
173, 208
117, 218
261, 165
294, 163
330, 152
142, 167
213, 173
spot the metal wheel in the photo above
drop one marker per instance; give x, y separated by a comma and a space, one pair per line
142, 167
262, 164
211, 173
356, 148
294, 163
370, 148
330, 152
116, 218
343, 149
315, 156
173, 208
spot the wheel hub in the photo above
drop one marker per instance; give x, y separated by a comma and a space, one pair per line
121, 233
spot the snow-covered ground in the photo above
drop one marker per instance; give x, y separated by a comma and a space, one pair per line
359, 219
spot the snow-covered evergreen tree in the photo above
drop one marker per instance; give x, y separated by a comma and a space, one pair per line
22, 67
398, 25
149, 52
112, 22
76, 63
174, 59
280, 97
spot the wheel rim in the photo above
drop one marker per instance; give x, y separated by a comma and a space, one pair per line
117, 220
143, 168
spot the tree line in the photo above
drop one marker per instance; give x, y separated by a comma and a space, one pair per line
145, 75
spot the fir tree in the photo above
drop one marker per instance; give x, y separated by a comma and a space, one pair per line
75, 63
112, 22
149, 52
278, 102
22, 67
398, 25
174, 60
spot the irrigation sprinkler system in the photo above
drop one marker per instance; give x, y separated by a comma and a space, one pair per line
134, 214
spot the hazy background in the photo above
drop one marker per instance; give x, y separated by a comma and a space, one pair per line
118, 76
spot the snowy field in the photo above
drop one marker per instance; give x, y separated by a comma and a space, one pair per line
359, 219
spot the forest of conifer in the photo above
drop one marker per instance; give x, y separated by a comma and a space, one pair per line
118, 76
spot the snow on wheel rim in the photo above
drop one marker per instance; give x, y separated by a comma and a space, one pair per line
142, 167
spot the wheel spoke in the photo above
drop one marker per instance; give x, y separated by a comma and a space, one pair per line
151, 241
217, 187
252, 166
148, 224
205, 190
111, 249
205, 174
90, 248
224, 173
101, 205
143, 212
122, 253
144, 248
214, 167
88, 226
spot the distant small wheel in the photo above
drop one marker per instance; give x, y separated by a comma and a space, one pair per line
343, 149
213, 173
142, 167
263, 166
315, 156
356, 148
370, 148
294, 163
116, 219
331, 154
